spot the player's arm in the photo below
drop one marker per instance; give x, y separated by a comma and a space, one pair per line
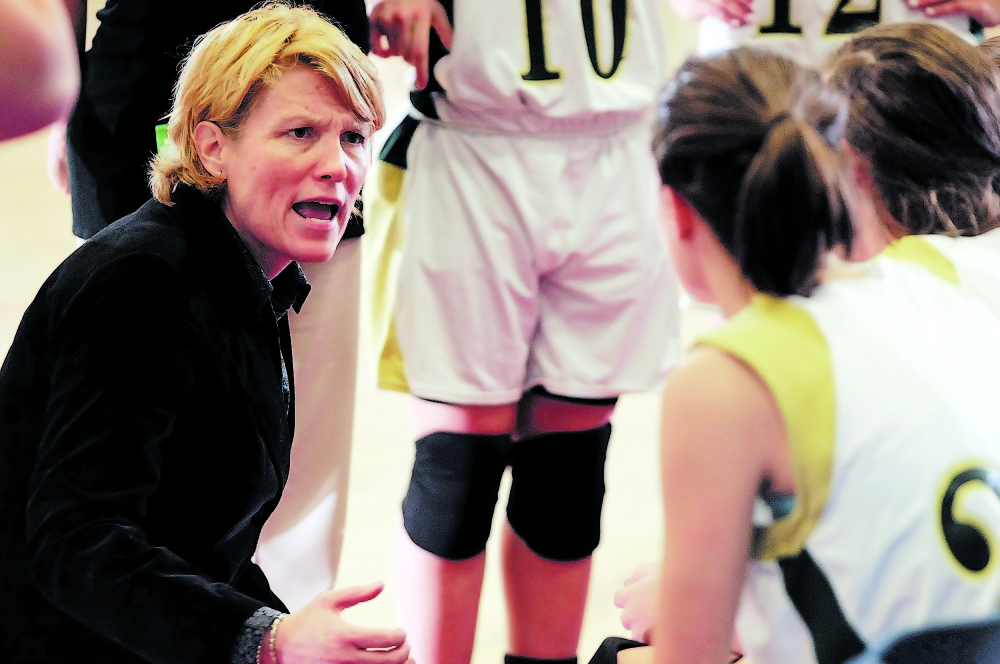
56, 161
722, 434
40, 75
986, 12
402, 27
734, 12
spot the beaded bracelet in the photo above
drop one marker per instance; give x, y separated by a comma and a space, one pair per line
272, 637
272, 652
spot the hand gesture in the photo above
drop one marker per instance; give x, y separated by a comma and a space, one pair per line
403, 27
317, 634
637, 598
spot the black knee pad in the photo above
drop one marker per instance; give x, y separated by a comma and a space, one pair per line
557, 492
448, 509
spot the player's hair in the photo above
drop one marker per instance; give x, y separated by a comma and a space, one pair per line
745, 138
991, 47
222, 79
924, 113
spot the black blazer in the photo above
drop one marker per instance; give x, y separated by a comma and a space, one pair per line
145, 431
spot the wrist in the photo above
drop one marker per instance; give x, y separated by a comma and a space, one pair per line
267, 652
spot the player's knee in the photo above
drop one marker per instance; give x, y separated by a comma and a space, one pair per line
541, 412
557, 492
448, 508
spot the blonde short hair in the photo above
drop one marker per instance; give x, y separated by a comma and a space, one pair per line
222, 78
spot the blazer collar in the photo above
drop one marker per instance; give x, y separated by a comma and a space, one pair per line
233, 277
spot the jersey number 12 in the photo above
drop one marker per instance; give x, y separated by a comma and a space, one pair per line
841, 22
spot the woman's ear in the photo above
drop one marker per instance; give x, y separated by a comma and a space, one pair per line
874, 225
859, 169
208, 141
678, 214
680, 222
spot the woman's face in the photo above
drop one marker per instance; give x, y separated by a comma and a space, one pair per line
294, 173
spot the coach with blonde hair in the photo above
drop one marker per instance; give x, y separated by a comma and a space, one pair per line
147, 402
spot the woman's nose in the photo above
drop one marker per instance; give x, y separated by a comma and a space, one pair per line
332, 163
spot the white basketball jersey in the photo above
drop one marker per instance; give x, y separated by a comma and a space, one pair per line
512, 63
888, 387
806, 31
971, 262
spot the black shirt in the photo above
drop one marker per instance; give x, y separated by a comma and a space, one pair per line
144, 439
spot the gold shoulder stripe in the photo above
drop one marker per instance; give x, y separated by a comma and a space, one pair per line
916, 249
785, 347
382, 252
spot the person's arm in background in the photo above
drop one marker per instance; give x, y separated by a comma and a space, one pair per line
734, 12
986, 12
40, 77
402, 27
57, 166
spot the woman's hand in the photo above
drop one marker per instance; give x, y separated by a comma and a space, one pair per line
637, 599
317, 633
403, 27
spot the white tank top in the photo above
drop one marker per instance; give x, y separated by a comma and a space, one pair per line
888, 386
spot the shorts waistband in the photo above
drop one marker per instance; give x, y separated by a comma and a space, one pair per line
501, 122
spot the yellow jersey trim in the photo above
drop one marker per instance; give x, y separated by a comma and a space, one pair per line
915, 249
784, 346
381, 256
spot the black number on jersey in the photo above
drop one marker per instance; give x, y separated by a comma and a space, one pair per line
965, 541
841, 22
538, 69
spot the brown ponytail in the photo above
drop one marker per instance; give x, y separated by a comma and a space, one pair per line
745, 138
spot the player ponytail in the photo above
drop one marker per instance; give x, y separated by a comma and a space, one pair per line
745, 138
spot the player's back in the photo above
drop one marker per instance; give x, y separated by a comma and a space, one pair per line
887, 386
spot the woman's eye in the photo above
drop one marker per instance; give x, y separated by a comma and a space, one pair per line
301, 132
354, 137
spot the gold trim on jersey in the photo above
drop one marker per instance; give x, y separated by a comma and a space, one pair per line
784, 346
916, 249
381, 255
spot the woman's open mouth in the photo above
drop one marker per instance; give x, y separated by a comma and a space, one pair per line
315, 210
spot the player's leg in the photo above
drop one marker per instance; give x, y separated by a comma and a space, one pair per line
300, 544
439, 552
464, 318
605, 328
553, 525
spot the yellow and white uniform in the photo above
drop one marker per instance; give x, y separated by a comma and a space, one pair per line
887, 385
973, 263
806, 31
523, 240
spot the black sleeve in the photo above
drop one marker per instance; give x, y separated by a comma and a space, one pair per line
122, 375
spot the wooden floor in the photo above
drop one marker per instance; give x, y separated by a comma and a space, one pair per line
35, 236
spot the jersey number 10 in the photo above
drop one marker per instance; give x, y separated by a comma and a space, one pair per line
539, 71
